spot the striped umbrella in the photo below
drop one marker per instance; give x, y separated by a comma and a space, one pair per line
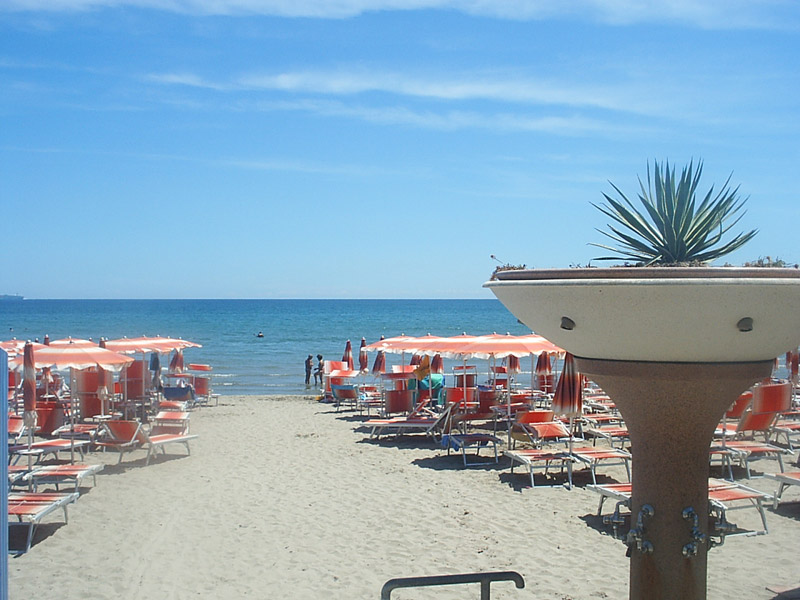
176, 362
543, 372
347, 357
29, 396
363, 359
568, 397
379, 366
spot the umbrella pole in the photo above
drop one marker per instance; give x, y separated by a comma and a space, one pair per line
72, 387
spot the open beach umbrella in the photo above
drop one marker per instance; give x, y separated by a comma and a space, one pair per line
363, 359
396, 345
146, 344
72, 342
347, 357
79, 357
568, 397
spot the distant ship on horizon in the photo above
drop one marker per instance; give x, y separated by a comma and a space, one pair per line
11, 297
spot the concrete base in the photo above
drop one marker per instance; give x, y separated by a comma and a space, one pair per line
671, 410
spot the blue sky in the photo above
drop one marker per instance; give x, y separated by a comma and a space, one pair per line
371, 148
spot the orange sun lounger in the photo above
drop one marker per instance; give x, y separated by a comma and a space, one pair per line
33, 507
721, 494
58, 474
127, 436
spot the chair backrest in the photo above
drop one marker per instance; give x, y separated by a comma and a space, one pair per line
344, 392
126, 431
549, 431
16, 425
738, 407
768, 400
772, 397
535, 416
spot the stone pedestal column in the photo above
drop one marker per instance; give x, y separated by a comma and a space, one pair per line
671, 411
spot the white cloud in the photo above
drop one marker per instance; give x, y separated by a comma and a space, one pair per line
506, 89
713, 14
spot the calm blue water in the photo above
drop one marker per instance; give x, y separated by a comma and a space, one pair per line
243, 363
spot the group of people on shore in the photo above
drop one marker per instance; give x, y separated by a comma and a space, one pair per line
317, 372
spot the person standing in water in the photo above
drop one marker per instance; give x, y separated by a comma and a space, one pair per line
309, 366
319, 370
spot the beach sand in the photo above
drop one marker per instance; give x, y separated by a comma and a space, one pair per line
282, 497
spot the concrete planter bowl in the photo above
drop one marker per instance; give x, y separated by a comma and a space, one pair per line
674, 348
683, 314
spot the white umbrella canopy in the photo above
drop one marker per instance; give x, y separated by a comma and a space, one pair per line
162, 345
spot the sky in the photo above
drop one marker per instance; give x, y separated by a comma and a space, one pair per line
372, 148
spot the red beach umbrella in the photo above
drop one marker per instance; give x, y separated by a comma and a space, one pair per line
29, 396
176, 363
513, 364
347, 357
436, 364
29, 380
543, 371
416, 360
568, 397
363, 359
379, 366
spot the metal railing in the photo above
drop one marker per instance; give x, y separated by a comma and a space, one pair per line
485, 579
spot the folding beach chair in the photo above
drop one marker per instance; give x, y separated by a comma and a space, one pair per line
461, 441
785, 481
60, 474
127, 436
721, 496
33, 507
54, 446
344, 394
545, 437
431, 424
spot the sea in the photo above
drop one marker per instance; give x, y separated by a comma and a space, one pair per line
242, 362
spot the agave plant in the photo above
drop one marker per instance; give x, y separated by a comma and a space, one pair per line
673, 228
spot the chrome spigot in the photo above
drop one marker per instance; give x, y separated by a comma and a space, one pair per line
636, 534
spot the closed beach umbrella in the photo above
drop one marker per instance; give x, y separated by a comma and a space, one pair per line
363, 359
416, 360
347, 357
176, 363
568, 397
513, 364
436, 364
379, 366
543, 370
29, 381
29, 397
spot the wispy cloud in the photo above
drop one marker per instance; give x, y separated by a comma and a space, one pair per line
714, 14
452, 120
508, 89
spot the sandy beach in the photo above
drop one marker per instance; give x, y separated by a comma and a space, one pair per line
282, 497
